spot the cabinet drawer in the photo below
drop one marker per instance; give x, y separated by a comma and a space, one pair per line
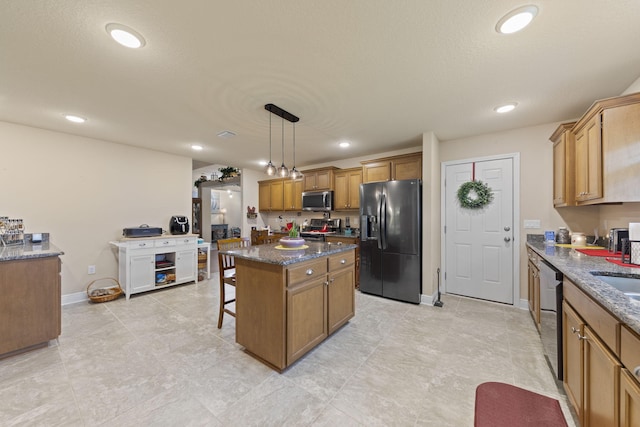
603, 323
186, 241
341, 260
161, 243
630, 351
342, 239
140, 244
306, 271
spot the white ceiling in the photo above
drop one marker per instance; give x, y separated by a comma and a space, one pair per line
377, 73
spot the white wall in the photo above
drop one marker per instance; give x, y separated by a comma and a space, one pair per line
85, 191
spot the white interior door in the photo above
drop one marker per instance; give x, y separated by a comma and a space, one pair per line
479, 249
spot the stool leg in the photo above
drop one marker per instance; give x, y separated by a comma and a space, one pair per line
222, 298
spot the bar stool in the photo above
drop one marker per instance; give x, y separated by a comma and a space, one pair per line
227, 266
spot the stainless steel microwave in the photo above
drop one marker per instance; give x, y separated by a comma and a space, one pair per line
317, 201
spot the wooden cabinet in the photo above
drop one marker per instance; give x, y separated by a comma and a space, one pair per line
196, 216
564, 166
292, 194
408, 166
591, 367
533, 287
588, 142
271, 195
347, 189
153, 263
629, 400
30, 307
282, 312
351, 240
318, 179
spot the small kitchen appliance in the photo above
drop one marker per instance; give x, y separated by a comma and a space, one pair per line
142, 231
179, 225
615, 238
317, 201
319, 228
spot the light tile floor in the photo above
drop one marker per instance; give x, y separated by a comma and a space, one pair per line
159, 360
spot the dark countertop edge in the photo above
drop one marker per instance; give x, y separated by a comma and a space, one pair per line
577, 268
14, 253
281, 257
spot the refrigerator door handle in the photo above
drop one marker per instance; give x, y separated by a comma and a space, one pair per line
383, 222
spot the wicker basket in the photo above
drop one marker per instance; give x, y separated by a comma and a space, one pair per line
104, 294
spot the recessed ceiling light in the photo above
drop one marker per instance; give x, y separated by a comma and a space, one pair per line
517, 19
345, 144
196, 147
505, 108
126, 36
226, 134
75, 119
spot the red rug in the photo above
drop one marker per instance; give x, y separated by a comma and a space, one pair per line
504, 405
620, 263
599, 252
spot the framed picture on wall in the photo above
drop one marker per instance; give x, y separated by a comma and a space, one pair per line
215, 202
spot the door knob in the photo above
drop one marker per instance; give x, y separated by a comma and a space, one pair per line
507, 239
507, 228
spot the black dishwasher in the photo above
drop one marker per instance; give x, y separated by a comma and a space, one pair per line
551, 315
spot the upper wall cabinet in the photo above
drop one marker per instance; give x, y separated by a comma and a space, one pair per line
292, 194
271, 195
408, 166
318, 179
605, 156
347, 193
563, 166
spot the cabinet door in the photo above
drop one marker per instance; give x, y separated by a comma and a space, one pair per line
341, 298
324, 180
355, 179
594, 167
264, 196
341, 194
297, 195
185, 265
559, 172
629, 400
572, 330
142, 272
310, 183
277, 196
582, 165
376, 171
407, 168
306, 317
601, 383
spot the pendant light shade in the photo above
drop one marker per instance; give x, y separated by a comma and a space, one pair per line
270, 169
282, 170
295, 173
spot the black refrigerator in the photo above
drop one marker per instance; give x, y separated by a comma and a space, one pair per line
391, 239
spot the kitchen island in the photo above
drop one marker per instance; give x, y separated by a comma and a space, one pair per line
290, 300
30, 307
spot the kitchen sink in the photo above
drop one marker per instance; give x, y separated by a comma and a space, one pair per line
628, 284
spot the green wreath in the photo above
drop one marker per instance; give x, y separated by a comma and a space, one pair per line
474, 195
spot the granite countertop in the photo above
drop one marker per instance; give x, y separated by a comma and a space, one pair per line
28, 251
270, 255
577, 266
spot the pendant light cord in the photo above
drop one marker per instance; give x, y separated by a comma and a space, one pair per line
283, 141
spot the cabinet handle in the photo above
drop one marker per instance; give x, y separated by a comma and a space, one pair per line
326, 283
636, 371
582, 337
141, 245
343, 261
310, 272
331, 280
574, 330
339, 243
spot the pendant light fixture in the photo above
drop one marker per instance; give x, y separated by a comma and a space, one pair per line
282, 170
270, 169
295, 173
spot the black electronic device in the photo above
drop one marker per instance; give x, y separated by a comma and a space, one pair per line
179, 225
142, 231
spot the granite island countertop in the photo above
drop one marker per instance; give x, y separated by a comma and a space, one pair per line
577, 267
28, 251
270, 255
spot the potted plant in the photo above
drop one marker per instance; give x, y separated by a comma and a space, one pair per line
200, 181
228, 172
293, 240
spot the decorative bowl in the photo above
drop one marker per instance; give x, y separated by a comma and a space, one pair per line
292, 242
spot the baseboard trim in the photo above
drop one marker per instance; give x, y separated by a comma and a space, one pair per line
524, 304
74, 298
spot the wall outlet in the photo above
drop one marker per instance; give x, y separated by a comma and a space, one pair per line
531, 223
91, 269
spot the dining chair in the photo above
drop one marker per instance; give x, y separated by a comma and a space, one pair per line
262, 237
227, 267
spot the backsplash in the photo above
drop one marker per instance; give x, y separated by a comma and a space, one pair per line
277, 220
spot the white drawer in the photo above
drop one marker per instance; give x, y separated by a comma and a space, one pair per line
187, 240
140, 244
163, 243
